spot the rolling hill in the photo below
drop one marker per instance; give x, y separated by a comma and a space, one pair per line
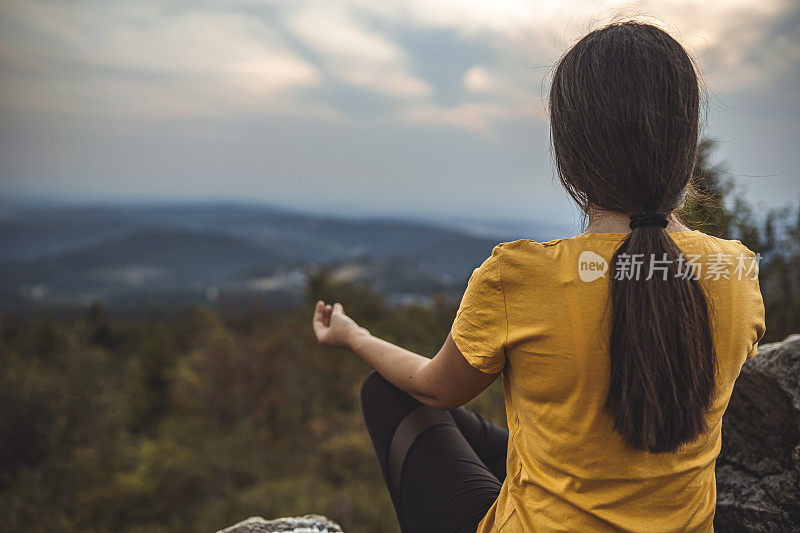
168, 253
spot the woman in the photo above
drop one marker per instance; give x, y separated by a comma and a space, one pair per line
618, 348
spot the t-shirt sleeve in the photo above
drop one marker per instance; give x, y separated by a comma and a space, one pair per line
759, 323
480, 329
756, 304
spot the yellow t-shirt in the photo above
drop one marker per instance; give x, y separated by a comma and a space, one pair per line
533, 311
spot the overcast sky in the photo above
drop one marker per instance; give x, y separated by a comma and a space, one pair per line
359, 106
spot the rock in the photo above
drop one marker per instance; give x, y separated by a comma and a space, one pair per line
758, 470
310, 523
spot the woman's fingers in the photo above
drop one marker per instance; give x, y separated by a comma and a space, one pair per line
322, 319
319, 322
319, 309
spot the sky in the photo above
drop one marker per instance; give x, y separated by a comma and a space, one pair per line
415, 108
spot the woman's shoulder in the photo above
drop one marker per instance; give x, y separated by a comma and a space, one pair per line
525, 245
720, 244
690, 236
530, 252
694, 241
509, 251
520, 257
528, 249
525, 254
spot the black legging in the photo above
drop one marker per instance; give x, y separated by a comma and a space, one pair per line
453, 471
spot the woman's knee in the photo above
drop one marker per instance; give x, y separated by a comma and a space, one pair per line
381, 398
374, 385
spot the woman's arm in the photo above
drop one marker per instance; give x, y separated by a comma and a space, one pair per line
446, 381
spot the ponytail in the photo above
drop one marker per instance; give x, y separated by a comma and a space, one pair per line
624, 114
663, 361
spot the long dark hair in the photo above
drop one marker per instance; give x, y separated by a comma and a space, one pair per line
624, 112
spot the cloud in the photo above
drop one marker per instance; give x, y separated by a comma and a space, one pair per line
134, 58
478, 79
471, 116
150, 58
353, 53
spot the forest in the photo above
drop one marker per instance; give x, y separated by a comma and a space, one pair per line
195, 419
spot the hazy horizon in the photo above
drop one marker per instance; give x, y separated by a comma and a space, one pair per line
497, 226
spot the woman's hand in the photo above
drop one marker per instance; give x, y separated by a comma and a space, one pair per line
334, 328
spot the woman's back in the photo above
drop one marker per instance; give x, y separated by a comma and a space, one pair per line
618, 351
540, 313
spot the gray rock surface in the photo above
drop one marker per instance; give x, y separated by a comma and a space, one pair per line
758, 470
311, 523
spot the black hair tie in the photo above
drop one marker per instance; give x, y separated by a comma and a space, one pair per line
648, 218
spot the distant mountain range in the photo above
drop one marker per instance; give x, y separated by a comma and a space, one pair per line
159, 255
